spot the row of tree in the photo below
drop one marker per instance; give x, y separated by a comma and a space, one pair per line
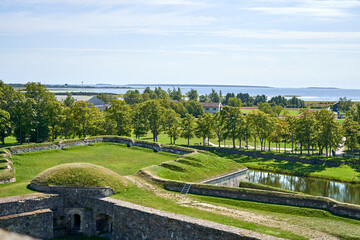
134, 96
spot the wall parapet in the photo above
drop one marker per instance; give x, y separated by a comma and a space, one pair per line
81, 191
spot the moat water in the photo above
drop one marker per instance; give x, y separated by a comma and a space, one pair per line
343, 192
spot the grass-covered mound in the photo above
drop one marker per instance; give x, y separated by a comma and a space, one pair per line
195, 167
82, 175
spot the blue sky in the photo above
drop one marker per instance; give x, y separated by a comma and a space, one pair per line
279, 43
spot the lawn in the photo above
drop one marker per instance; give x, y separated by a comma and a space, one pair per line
116, 157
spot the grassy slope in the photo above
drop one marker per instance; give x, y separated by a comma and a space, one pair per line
320, 220
116, 157
196, 167
343, 173
141, 197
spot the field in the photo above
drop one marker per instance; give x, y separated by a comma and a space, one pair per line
116, 157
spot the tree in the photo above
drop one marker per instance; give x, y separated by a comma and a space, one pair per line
69, 100
120, 112
232, 116
56, 117
235, 102
4, 124
205, 127
227, 97
188, 127
195, 108
175, 94
291, 121
23, 117
154, 113
192, 95
133, 97
139, 122
247, 130
327, 129
214, 96
106, 97
81, 114
172, 124
352, 134
344, 104
42, 98
261, 123
305, 129
219, 126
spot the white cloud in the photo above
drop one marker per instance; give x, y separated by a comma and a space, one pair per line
316, 8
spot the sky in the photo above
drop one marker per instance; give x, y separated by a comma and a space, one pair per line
278, 43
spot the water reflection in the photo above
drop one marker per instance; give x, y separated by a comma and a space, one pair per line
344, 192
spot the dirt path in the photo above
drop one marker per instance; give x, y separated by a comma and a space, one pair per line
272, 221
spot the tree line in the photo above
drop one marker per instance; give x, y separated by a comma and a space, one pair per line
34, 115
134, 97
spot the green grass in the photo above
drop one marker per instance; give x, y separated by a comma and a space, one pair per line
305, 217
81, 174
196, 167
116, 157
144, 198
343, 173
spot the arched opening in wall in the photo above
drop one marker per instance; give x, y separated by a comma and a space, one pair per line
76, 223
104, 225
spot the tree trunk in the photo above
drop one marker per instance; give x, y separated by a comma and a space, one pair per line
285, 146
255, 143
269, 145
188, 141
233, 142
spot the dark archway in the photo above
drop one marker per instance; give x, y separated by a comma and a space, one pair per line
76, 222
104, 225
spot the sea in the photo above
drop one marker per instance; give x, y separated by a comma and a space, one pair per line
306, 94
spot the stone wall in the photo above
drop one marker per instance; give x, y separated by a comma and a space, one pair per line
230, 179
37, 224
115, 219
116, 139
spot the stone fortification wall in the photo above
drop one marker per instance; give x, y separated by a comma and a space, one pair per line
26, 203
230, 179
257, 195
116, 139
122, 220
37, 224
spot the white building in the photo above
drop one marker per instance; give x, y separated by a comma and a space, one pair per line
211, 107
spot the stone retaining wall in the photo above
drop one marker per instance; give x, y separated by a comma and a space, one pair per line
230, 179
116, 139
37, 224
257, 195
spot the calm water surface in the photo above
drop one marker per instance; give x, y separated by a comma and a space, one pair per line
343, 192
307, 94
